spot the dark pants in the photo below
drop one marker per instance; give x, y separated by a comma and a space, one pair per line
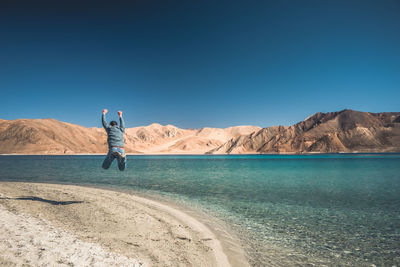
112, 154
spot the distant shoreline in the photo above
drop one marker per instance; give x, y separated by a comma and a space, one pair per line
205, 154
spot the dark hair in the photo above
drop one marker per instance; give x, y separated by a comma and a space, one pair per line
112, 123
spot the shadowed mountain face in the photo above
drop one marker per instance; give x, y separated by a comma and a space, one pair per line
344, 131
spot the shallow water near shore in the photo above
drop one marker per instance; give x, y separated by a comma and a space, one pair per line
327, 209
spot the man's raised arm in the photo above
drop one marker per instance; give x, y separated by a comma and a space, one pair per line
121, 121
103, 119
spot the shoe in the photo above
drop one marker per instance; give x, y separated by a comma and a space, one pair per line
118, 154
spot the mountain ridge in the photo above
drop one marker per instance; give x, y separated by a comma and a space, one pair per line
332, 132
342, 131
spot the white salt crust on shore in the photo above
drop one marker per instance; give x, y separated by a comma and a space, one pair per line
65, 225
25, 240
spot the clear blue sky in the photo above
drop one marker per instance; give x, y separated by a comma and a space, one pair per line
198, 63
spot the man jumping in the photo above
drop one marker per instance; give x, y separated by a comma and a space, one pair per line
115, 140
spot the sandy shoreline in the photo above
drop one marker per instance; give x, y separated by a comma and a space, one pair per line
79, 226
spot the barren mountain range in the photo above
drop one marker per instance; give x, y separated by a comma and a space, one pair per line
343, 131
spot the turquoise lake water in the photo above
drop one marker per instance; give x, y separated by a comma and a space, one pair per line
334, 209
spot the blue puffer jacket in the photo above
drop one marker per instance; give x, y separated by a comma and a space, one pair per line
115, 133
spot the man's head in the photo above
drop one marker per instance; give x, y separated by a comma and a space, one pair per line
113, 123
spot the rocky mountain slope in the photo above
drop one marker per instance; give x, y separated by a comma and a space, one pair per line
344, 131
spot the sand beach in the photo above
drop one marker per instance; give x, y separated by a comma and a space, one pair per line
66, 225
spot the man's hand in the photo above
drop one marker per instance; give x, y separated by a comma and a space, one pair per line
120, 113
105, 111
